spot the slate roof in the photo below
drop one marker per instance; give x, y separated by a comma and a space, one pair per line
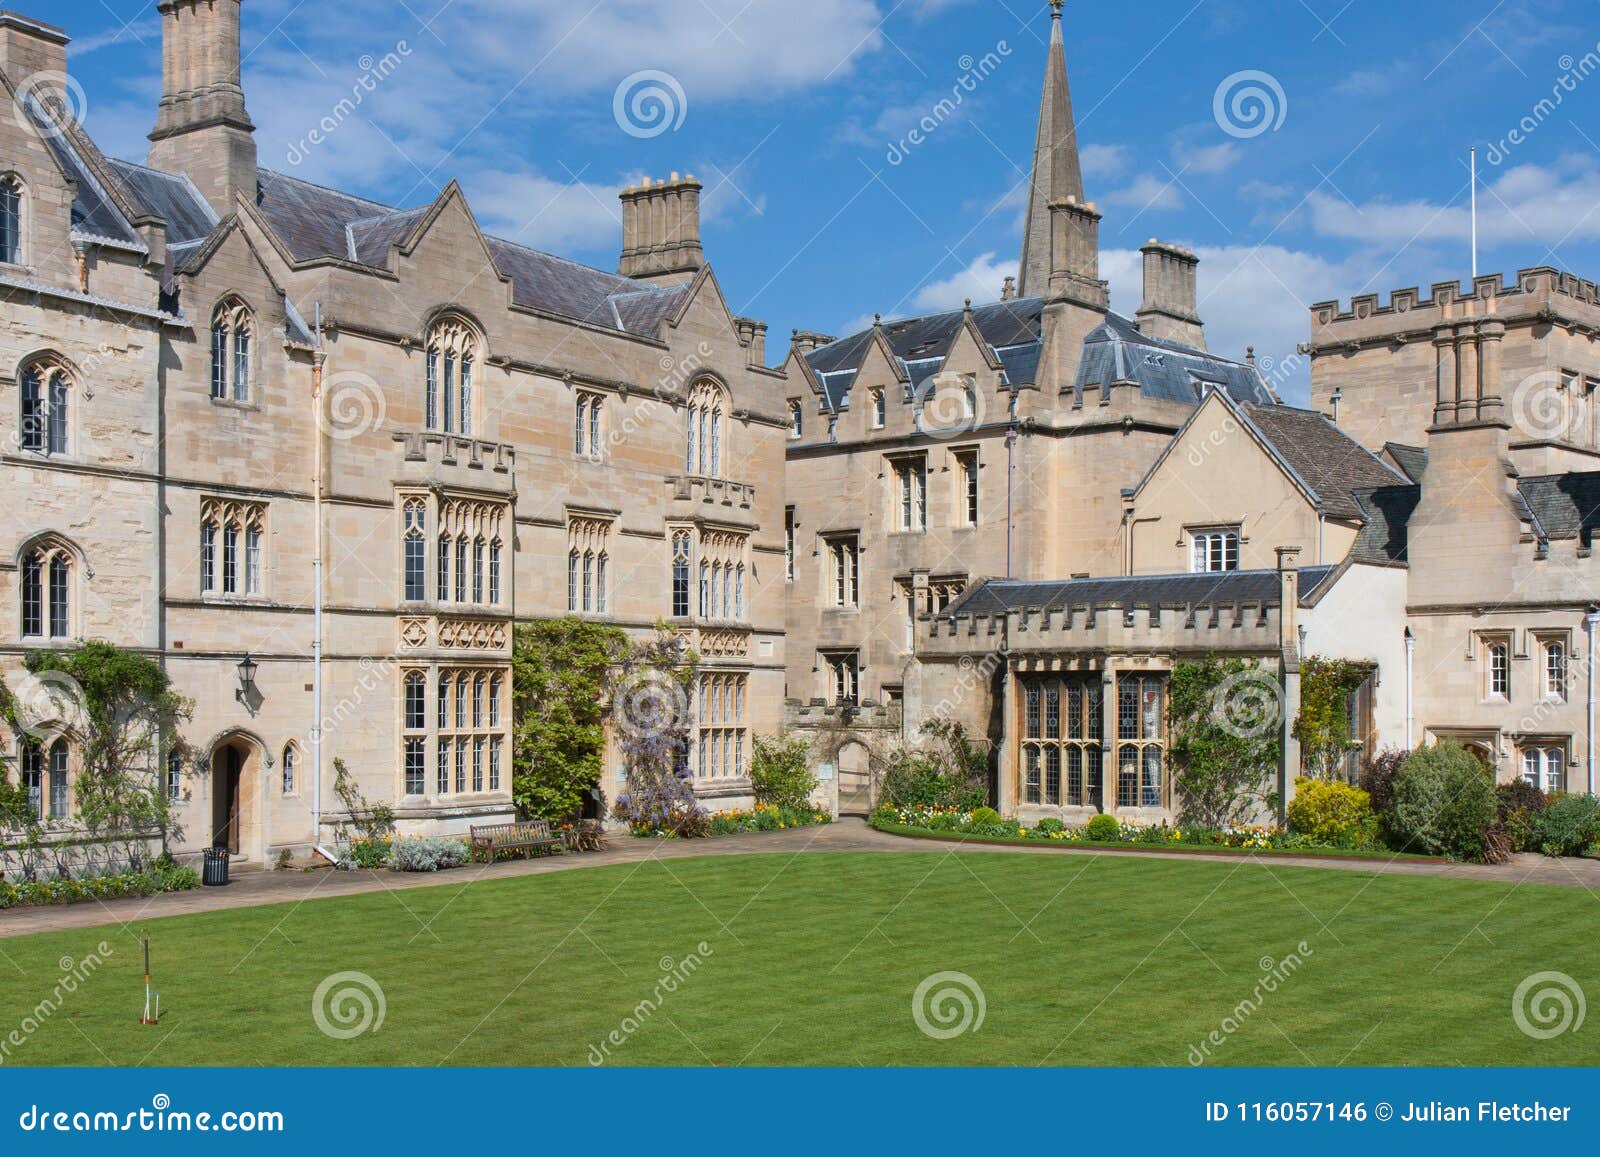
997, 596
1331, 463
1114, 351
1412, 460
1563, 505
173, 198
1387, 510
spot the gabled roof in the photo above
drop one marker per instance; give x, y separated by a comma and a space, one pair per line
1563, 505
1262, 587
1331, 464
1114, 351
1412, 460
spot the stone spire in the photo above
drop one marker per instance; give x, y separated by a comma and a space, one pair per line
1057, 175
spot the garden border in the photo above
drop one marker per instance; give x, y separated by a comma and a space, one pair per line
1160, 849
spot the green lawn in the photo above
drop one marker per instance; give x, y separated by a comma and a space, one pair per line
814, 959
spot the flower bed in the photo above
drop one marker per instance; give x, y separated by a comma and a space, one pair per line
949, 823
112, 886
762, 818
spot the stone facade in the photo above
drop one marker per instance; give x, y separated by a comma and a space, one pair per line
259, 374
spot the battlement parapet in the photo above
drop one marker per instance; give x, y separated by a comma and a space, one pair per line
1530, 292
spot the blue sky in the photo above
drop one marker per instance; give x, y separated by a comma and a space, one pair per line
795, 117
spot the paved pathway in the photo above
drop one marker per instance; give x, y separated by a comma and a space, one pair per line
253, 889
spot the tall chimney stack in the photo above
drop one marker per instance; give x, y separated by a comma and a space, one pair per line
661, 230
202, 129
1171, 299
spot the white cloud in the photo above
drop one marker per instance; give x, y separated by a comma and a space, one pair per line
1147, 194
1104, 160
981, 281
1210, 159
532, 209
1525, 205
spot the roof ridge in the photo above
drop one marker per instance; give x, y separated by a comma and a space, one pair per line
331, 189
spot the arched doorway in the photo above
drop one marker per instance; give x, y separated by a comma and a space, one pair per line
855, 780
233, 811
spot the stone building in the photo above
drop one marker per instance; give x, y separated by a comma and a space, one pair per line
929, 453
221, 384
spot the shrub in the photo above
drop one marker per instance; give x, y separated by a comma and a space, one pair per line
1332, 813
1050, 826
984, 815
426, 855
104, 887
1519, 805
780, 771
369, 851
1103, 828
914, 779
1377, 777
1569, 826
1441, 802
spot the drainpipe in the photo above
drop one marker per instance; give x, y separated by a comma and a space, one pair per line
1011, 473
1591, 621
1411, 659
316, 601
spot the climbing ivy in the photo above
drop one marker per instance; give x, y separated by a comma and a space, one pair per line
1323, 725
1224, 772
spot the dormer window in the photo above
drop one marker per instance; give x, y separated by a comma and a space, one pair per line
880, 412
797, 422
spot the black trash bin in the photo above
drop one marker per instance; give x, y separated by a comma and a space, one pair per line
216, 868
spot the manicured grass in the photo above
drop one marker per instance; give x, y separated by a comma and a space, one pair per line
1173, 846
814, 959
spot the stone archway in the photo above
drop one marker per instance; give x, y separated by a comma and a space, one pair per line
235, 778
855, 779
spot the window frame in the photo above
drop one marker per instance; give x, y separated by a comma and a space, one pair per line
1204, 542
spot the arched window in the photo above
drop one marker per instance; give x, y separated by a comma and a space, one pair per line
452, 358
10, 220
47, 591
494, 572
680, 574
797, 422
479, 547
32, 760
232, 334
416, 549
238, 526
46, 392
572, 581
290, 765
174, 774
707, 406
880, 410
60, 783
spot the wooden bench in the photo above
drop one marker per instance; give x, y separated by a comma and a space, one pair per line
527, 835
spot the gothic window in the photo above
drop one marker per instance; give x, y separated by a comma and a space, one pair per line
494, 572
843, 678
1555, 669
289, 766
588, 547
788, 544
415, 520
469, 552
1140, 741
47, 572
416, 700
468, 741
586, 425
60, 780
46, 393
707, 407
680, 574
174, 774
880, 410
232, 334
10, 220
797, 422
452, 360
32, 760
967, 493
238, 528
719, 715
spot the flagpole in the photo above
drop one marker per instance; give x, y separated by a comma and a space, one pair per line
1474, 213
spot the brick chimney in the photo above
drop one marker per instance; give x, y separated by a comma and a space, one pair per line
29, 48
661, 230
202, 129
1171, 310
